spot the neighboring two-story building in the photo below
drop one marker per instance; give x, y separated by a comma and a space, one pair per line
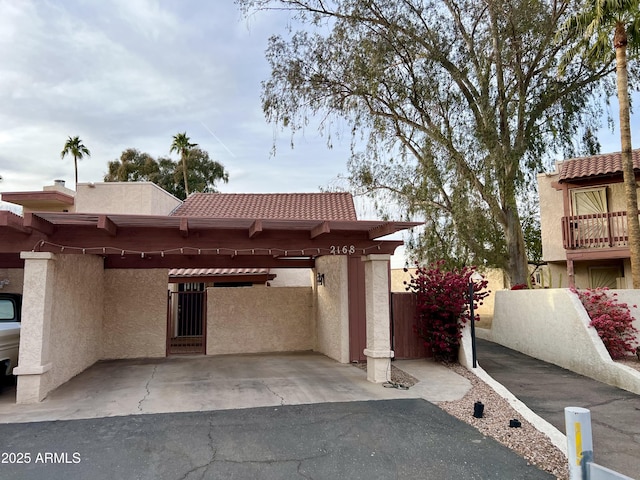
584, 222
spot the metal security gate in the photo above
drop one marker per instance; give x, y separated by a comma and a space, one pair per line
186, 319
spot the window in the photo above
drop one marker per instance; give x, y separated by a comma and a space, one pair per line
7, 310
589, 201
604, 277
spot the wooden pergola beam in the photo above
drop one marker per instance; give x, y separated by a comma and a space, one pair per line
105, 224
256, 228
320, 229
36, 223
381, 231
184, 227
12, 221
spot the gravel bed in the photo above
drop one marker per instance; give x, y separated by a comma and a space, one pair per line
526, 441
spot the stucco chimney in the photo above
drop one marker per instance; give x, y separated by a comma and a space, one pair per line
58, 183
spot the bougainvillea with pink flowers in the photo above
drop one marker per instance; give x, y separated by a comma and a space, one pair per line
611, 319
443, 306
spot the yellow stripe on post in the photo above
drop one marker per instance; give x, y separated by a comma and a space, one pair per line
578, 432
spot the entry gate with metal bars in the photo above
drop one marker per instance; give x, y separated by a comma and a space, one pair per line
186, 319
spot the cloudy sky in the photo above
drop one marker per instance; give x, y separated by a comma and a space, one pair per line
132, 73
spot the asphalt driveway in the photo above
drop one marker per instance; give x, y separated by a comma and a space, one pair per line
389, 439
547, 389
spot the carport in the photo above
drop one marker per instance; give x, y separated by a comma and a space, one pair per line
92, 283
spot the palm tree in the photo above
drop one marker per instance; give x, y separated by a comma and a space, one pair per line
75, 148
593, 26
182, 144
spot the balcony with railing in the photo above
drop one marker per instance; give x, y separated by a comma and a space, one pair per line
595, 231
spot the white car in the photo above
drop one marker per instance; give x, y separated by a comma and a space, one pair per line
10, 309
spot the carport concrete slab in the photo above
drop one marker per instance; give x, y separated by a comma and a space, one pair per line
186, 384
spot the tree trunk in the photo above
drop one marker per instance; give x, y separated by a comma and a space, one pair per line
517, 267
631, 196
184, 174
75, 165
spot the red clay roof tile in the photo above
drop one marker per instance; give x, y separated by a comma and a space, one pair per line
281, 206
595, 166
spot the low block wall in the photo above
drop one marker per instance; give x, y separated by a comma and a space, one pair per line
552, 325
61, 321
77, 316
135, 313
259, 319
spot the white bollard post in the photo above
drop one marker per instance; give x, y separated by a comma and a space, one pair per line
579, 441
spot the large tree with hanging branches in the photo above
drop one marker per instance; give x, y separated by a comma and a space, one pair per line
457, 102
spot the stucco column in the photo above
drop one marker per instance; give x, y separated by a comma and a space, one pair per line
378, 351
37, 305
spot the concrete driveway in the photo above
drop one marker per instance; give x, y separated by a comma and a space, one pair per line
200, 383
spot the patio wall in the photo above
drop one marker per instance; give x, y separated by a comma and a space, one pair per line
332, 308
259, 319
135, 313
61, 321
552, 325
76, 323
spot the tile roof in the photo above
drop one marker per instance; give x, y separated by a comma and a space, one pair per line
281, 206
607, 164
215, 272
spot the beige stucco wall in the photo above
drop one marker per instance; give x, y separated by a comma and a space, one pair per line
61, 321
259, 319
135, 313
560, 278
551, 213
141, 198
15, 277
76, 322
552, 325
332, 308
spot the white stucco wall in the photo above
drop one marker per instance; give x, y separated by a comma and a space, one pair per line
332, 308
259, 319
135, 313
141, 198
552, 325
632, 299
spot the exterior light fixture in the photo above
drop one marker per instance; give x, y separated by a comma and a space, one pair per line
320, 278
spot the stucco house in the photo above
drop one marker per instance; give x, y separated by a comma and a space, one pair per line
125, 270
584, 222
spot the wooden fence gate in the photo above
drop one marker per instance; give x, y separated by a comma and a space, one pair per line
406, 343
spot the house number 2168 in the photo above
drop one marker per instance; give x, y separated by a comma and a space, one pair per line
343, 250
